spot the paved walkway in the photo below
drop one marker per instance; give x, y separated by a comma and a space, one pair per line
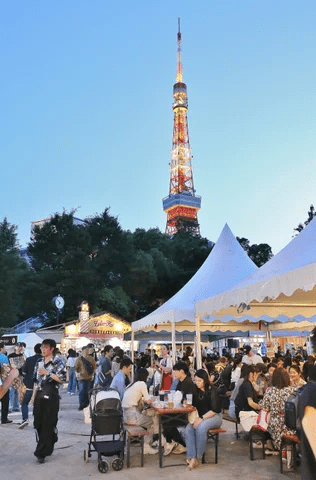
18, 461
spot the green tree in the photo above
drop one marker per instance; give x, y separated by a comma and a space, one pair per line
61, 255
13, 270
311, 214
259, 254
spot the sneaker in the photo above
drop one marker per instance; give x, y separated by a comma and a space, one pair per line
169, 447
16, 410
148, 450
257, 444
155, 444
72, 394
23, 424
179, 449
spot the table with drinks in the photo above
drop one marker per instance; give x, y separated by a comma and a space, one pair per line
171, 412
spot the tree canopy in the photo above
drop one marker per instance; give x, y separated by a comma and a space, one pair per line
310, 215
126, 273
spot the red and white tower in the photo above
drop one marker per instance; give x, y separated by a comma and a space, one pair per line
181, 205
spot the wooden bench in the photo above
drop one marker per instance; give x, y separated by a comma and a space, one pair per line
213, 434
256, 434
135, 435
226, 417
294, 442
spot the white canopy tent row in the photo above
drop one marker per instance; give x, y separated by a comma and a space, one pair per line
282, 293
226, 265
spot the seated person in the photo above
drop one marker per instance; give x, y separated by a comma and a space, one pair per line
208, 406
121, 378
274, 401
174, 441
246, 399
135, 394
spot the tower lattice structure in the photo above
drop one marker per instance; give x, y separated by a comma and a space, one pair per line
181, 205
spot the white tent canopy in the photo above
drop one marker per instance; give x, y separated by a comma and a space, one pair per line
226, 265
281, 290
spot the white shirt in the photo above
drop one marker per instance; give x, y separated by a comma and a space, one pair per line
236, 375
253, 360
134, 393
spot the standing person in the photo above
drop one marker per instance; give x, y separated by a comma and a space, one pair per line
28, 380
85, 367
72, 379
105, 375
165, 366
208, 406
119, 381
251, 358
4, 390
116, 362
16, 359
307, 415
49, 373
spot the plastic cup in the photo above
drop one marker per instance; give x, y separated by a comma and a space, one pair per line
189, 398
170, 400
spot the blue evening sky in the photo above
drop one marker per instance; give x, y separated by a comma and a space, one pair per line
86, 117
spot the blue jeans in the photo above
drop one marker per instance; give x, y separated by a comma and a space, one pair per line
14, 399
25, 404
84, 388
195, 440
72, 380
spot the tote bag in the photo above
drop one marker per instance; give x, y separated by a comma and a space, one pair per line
247, 419
263, 419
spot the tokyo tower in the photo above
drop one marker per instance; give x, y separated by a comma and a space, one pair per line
181, 205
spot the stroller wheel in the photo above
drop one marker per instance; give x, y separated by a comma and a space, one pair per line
86, 455
103, 466
117, 464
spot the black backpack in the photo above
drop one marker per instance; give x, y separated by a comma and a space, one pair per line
292, 420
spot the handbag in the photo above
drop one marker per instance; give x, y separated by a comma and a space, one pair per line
247, 419
46, 392
192, 416
263, 419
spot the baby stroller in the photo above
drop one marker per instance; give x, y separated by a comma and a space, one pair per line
106, 421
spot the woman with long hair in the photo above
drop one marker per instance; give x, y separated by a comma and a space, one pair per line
274, 401
165, 366
208, 406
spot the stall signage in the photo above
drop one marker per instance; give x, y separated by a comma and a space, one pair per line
9, 340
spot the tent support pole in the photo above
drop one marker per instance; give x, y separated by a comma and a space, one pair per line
173, 342
132, 351
198, 343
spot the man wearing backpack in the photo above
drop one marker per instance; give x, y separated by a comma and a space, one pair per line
85, 367
307, 415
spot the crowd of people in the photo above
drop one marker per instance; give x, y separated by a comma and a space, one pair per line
243, 383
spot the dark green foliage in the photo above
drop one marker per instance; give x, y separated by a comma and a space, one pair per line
128, 274
14, 273
311, 214
259, 254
